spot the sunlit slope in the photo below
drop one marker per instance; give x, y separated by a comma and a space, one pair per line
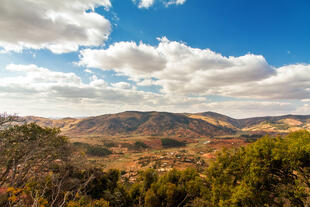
283, 124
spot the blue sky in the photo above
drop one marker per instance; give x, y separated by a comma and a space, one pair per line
229, 27
90, 57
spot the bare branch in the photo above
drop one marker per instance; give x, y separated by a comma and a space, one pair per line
7, 120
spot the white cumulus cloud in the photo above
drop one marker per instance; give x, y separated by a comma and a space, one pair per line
288, 82
58, 25
42, 91
179, 68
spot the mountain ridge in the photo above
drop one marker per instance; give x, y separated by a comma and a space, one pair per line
153, 123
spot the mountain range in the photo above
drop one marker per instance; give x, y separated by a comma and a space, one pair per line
206, 124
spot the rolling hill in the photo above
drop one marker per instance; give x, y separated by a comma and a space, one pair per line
283, 124
134, 123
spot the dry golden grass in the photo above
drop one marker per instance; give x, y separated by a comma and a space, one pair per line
212, 121
291, 122
281, 126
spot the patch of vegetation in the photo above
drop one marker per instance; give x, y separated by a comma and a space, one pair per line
98, 151
93, 150
109, 144
80, 144
168, 143
251, 136
140, 145
281, 126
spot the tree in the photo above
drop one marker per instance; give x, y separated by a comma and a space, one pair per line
139, 190
7, 120
176, 188
29, 151
273, 171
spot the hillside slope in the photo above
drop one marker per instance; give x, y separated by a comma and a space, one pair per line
286, 123
148, 124
217, 119
134, 123
283, 124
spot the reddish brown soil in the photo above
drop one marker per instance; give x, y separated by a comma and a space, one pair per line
154, 143
219, 144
